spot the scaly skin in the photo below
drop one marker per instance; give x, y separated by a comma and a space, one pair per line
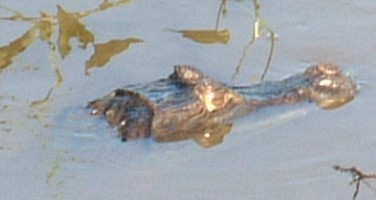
190, 105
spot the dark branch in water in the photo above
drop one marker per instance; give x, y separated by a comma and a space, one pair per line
357, 177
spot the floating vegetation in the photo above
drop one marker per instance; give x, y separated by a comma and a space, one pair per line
216, 35
206, 36
259, 27
69, 27
209, 36
10, 51
45, 98
54, 170
104, 52
45, 26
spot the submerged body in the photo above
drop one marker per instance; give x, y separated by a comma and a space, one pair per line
190, 105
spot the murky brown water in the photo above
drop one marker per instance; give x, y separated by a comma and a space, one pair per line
55, 150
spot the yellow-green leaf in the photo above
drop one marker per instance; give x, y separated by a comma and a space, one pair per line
45, 27
8, 52
71, 27
109, 4
206, 36
105, 51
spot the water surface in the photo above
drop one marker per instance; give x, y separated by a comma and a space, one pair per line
56, 151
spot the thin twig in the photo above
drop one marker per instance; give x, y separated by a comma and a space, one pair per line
259, 26
357, 177
106, 4
221, 11
270, 56
242, 59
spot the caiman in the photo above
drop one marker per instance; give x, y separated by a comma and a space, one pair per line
191, 105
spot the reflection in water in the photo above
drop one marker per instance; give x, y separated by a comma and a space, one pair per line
213, 137
70, 27
216, 35
206, 36
206, 135
221, 12
209, 36
45, 27
8, 52
259, 25
105, 51
190, 105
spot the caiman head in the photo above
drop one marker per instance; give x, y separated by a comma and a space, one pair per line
331, 89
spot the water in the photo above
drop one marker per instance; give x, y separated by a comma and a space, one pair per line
56, 151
